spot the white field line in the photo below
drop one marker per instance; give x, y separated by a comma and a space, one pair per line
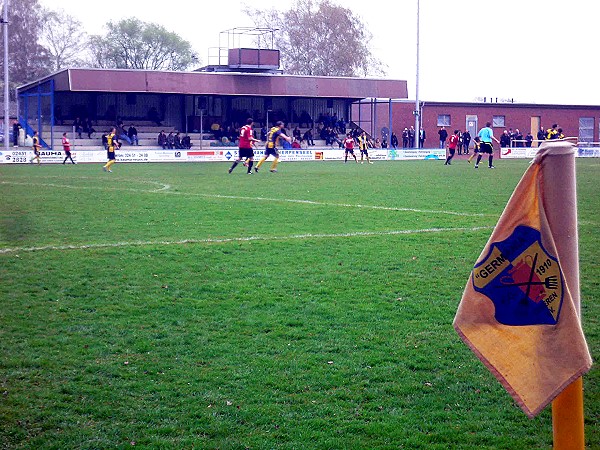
241, 239
165, 189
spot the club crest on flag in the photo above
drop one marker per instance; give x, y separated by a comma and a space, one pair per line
522, 279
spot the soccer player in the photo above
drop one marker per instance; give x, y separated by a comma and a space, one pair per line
452, 144
552, 132
349, 148
476, 148
246, 145
36, 148
273, 137
112, 143
67, 148
486, 134
363, 145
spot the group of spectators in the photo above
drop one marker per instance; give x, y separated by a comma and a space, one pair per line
408, 138
173, 141
510, 138
83, 126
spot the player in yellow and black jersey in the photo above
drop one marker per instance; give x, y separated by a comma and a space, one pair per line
36, 148
273, 137
552, 133
363, 145
112, 143
476, 148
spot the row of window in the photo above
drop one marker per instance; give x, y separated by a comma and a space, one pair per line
497, 121
586, 125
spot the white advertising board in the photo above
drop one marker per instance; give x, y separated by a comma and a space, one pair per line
22, 156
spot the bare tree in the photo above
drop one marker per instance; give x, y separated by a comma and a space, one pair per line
64, 38
320, 38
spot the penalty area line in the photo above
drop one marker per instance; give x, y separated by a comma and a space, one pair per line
239, 239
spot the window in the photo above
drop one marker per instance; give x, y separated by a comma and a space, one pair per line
443, 120
498, 121
586, 129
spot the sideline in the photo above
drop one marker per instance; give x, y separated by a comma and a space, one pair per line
238, 239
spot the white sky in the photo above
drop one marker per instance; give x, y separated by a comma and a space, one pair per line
534, 51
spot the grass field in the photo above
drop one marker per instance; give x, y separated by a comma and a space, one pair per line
177, 306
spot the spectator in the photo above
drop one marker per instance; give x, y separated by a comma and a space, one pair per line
78, 127
177, 141
528, 139
122, 134
505, 139
170, 140
297, 134
89, 128
466, 140
133, 135
394, 140
296, 144
216, 130
16, 129
162, 139
186, 142
443, 136
342, 125
411, 137
308, 137
422, 137
518, 138
405, 138
541, 135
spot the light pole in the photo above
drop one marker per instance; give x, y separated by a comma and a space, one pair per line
4, 21
417, 110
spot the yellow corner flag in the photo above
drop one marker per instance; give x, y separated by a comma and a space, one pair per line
520, 309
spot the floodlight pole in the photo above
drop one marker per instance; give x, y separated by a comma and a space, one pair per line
417, 110
6, 95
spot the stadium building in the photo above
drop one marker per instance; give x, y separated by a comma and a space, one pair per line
248, 82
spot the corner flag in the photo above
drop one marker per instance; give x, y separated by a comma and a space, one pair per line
520, 309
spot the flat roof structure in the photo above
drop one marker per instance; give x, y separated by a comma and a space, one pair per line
219, 83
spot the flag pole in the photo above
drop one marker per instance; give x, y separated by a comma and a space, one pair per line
567, 407
567, 418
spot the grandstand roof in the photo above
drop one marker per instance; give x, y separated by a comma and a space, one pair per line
209, 83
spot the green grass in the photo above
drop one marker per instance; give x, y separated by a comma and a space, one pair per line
133, 312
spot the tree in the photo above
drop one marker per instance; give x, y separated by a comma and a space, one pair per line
321, 38
27, 59
64, 38
133, 44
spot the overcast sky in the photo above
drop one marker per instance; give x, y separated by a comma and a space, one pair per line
534, 51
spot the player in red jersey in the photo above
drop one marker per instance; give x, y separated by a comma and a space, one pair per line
349, 148
246, 147
67, 148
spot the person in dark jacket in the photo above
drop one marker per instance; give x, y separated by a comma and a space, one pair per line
443, 136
